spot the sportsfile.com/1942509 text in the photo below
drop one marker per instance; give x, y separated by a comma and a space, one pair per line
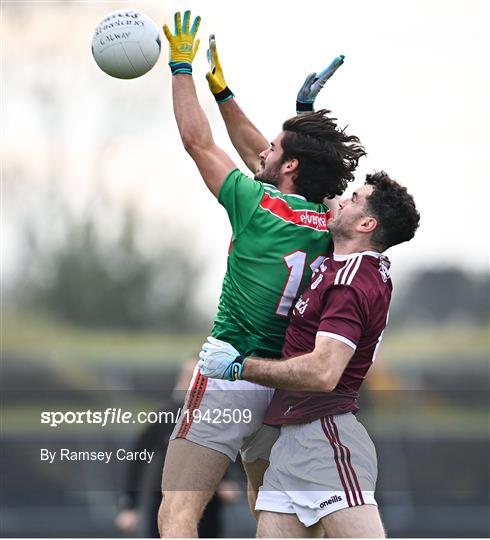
113, 415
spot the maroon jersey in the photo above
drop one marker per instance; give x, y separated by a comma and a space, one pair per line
348, 300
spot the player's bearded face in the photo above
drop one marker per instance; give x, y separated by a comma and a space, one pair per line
269, 172
350, 214
341, 227
271, 161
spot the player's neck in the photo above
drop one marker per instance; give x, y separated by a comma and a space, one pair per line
346, 246
286, 186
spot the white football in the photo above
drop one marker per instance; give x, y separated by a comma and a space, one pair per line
126, 44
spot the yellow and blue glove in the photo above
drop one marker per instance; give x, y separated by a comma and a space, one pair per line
182, 46
313, 84
220, 360
215, 77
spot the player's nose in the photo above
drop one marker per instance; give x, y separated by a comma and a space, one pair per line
264, 154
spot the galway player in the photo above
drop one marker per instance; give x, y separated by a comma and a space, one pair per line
280, 235
323, 466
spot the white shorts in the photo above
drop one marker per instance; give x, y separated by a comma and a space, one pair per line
318, 468
227, 416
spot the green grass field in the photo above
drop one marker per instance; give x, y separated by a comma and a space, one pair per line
39, 337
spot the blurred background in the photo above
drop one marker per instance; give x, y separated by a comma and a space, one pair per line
113, 251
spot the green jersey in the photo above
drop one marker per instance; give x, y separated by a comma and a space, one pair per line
278, 240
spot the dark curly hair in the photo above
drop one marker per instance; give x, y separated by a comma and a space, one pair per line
327, 156
394, 209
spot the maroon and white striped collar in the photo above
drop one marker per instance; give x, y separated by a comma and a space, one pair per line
337, 257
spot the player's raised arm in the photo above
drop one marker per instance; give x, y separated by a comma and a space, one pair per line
213, 163
245, 137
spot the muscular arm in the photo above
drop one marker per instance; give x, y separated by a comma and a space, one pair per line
319, 370
245, 137
213, 163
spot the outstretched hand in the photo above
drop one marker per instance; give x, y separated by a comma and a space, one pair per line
215, 77
313, 84
183, 48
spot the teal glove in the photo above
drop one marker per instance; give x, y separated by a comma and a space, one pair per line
313, 84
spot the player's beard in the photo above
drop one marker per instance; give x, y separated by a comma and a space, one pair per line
340, 229
269, 175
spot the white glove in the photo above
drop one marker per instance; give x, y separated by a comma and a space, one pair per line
220, 360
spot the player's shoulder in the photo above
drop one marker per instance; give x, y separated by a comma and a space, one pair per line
237, 181
366, 272
236, 175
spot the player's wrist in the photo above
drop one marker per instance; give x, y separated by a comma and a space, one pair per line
180, 67
304, 106
235, 371
224, 95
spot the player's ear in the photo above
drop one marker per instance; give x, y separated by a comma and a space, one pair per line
291, 165
367, 224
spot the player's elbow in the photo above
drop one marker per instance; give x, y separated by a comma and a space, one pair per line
325, 379
194, 143
329, 378
326, 382
196, 150
327, 385
190, 143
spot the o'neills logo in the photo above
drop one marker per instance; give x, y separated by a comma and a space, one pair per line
314, 220
332, 500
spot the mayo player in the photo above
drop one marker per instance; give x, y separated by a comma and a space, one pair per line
279, 236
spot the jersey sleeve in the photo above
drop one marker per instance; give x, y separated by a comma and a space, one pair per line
344, 316
240, 195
